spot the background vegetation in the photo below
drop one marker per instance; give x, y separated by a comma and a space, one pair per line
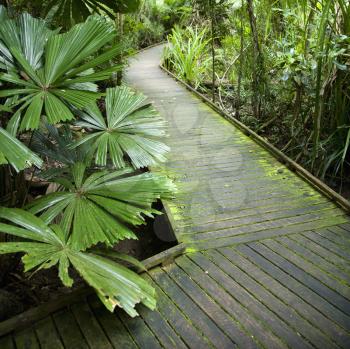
75, 146
281, 67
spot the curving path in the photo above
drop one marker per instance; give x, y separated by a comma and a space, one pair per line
267, 260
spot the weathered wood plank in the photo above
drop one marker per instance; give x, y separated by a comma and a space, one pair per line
140, 332
263, 234
279, 273
269, 249
47, 334
286, 295
260, 311
165, 333
254, 327
195, 315
293, 243
283, 223
286, 314
340, 250
6, 342
26, 339
89, 326
114, 329
211, 308
325, 254
69, 330
191, 335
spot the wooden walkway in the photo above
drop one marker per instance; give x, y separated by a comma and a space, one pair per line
267, 260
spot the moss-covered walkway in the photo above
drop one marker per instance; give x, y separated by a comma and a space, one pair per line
267, 259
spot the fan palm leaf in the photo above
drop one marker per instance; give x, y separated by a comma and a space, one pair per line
15, 153
46, 246
50, 70
102, 206
131, 128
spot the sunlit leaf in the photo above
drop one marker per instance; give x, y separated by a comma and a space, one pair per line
131, 128
102, 206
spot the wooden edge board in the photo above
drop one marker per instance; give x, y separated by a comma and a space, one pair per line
281, 157
35, 314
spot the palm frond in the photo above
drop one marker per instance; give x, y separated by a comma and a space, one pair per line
131, 128
15, 153
50, 70
102, 206
115, 284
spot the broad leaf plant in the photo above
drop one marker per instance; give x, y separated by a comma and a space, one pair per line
49, 79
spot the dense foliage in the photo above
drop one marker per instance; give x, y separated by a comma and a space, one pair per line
55, 127
282, 67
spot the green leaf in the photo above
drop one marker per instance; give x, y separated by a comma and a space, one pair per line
63, 271
28, 35
56, 110
31, 118
34, 225
53, 73
79, 99
121, 256
101, 207
115, 284
65, 51
131, 128
14, 152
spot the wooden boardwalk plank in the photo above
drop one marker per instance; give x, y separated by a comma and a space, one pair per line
255, 327
69, 330
268, 248
114, 329
286, 295
165, 333
7, 342
194, 314
308, 257
322, 252
89, 326
47, 334
342, 251
279, 273
141, 333
285, 313
260, 311
229, 325
26, 339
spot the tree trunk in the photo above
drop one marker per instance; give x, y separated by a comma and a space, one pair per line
119, 26
258, 84
212, 14
240, 69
